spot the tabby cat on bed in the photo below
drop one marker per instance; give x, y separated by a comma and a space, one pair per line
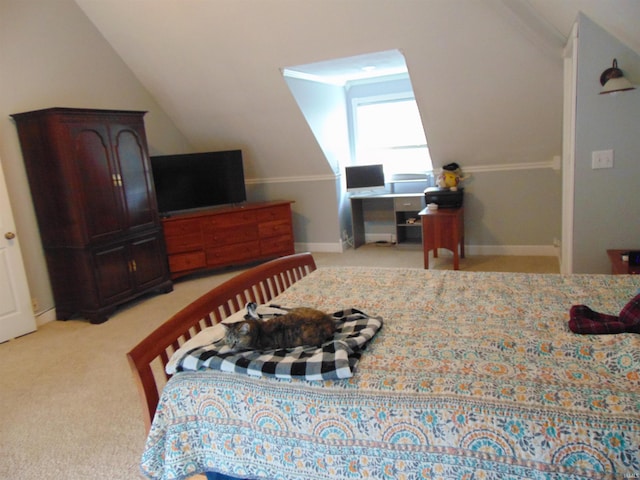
299, 326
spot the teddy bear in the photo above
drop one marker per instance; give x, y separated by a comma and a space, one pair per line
450, 177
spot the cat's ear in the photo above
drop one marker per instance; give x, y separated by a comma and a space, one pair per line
244, 328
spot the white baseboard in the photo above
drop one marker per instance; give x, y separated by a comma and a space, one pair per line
45, 317
319, 247
379, 237
514, 250
520, 250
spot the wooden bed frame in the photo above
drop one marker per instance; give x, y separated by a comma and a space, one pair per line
258, 284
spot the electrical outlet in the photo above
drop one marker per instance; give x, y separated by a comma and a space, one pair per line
602, 159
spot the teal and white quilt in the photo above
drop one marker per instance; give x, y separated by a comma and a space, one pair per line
474, 375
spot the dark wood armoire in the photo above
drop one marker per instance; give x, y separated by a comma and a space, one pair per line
93, 193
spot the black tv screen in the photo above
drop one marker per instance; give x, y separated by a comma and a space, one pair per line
198, 180
364, 177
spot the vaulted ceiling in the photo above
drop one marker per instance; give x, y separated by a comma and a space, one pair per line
487, 74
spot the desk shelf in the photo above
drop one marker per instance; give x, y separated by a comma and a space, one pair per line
408, 232
406, 209
401, 208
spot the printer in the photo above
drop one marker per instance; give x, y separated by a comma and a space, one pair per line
444, 197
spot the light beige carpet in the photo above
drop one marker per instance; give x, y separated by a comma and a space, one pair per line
69, 409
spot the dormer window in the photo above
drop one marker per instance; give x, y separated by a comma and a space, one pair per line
371, 98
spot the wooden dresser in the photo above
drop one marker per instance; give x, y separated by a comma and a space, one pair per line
91, 186
228, 236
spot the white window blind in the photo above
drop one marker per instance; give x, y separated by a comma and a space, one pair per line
390, 132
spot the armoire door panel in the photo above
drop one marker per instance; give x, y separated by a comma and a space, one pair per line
112, 271
135, 178
100, 201
148, 260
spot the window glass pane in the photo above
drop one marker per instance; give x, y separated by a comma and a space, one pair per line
391, 133
389, 124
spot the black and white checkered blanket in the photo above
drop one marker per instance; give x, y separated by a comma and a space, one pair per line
334, 359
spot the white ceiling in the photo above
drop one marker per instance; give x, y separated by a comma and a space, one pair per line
620, 17
487, 74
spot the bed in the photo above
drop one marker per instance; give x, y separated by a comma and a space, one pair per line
473, 375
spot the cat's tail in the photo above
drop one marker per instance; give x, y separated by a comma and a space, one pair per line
251, 309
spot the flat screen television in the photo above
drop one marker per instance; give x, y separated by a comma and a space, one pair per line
196, 181
362, 178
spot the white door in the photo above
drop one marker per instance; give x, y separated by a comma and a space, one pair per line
16, 315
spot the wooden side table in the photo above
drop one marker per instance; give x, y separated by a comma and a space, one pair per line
443, 228
618, 266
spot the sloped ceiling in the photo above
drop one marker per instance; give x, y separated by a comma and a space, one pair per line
487, 74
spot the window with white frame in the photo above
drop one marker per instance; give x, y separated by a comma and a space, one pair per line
388, 130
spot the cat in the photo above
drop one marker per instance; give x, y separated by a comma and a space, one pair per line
299, 326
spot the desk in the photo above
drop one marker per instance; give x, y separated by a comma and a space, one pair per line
619, 267
401, 206
443, 228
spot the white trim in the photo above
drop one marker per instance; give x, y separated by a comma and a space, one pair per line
379, 237
347, 81
45, 317
510, 166
551, 164
307, 178
513, 250
570, 71
287, 72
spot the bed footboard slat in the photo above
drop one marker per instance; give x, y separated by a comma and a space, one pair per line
259, 284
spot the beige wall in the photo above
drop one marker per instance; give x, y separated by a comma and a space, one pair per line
52, 56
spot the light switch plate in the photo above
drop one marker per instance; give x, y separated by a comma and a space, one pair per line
602, 159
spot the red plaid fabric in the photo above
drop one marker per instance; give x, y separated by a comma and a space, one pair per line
584, 320
630, 315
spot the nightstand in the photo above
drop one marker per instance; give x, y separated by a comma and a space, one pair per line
443, 228
618, 266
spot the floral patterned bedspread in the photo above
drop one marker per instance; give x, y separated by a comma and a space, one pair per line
474, 375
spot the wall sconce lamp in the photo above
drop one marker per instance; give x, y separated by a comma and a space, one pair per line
612, 80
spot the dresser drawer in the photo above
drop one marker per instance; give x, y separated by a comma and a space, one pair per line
409, 204
275, 228
280, 212
187, 261
183, 243
181, 227
239, 217
282, 245
233, 253
227, 236
230, 235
